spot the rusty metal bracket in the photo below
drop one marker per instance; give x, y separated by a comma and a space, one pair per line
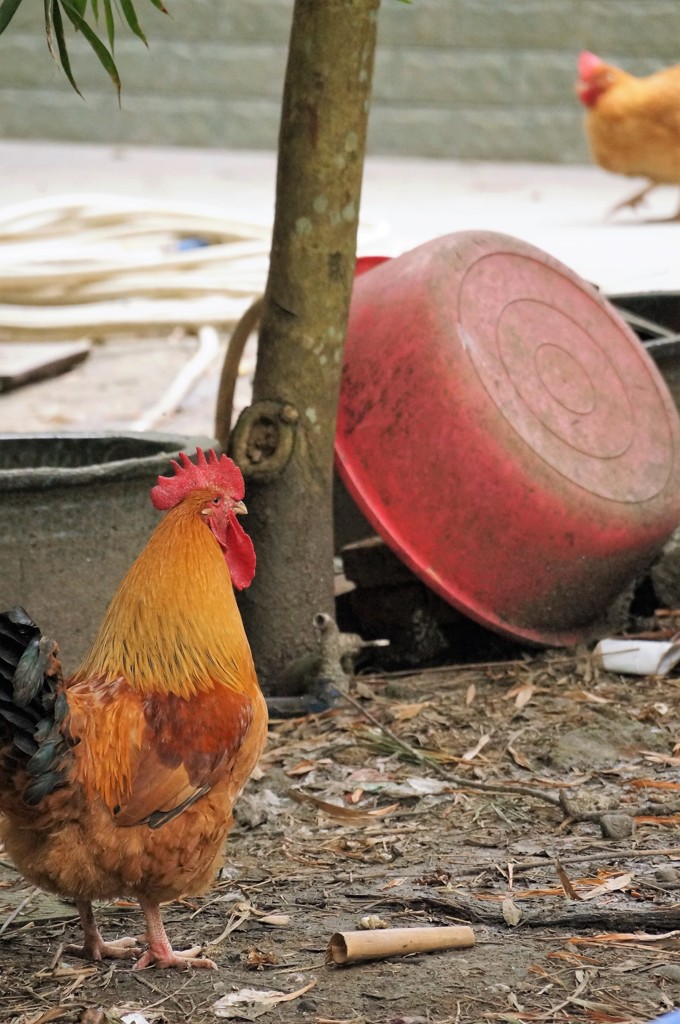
263, 439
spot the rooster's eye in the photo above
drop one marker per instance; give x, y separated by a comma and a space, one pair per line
216, 501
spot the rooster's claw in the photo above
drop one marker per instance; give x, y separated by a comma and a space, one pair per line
126, 948
182, 960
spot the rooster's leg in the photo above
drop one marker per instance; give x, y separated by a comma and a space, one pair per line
94, 947
160, 953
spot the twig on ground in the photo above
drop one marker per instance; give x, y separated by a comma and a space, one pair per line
164, 996
581, 858
241, 913
17, 910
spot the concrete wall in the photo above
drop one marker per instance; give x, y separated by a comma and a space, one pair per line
477, 79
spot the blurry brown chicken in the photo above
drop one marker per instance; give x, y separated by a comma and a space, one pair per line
120, 780
633, 124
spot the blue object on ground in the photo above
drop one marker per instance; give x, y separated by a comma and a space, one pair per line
191, 243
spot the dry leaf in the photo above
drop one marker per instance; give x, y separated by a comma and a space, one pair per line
611, 885
427, 787
653, 784
522, 692
251, 1003
559, 783
585, 697
469, 755
340, 811
565, 882
368, 775
619, 938
364, 690
572, 958
519, 758
657, 819
651, 755
470, 694
53, 1014
524, 695
257, 959
512, 915
404, 712
64, 971
301, 768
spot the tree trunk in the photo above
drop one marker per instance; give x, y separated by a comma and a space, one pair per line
284, 441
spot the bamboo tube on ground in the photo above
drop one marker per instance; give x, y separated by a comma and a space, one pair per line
348, 947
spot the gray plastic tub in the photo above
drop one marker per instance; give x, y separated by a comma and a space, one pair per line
75, 512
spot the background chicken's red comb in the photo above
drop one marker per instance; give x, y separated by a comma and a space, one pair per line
587, 63
219, 473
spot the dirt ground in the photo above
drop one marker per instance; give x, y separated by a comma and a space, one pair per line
535, 800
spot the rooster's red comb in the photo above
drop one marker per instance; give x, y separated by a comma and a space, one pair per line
219, 473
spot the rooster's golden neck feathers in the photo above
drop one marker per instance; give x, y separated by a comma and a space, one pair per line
173, 626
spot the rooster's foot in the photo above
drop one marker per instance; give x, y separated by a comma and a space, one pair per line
94, 948
160, 954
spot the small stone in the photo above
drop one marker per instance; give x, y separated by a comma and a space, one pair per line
667, 875
617, 825
671, 972
307, 1006
512, 914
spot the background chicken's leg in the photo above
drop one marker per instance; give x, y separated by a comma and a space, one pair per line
160, 953
634, 201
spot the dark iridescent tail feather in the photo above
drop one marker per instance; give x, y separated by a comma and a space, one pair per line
32, 704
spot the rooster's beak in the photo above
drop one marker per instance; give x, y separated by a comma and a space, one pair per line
239, 508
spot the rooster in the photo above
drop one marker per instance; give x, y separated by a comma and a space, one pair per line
633, 124
120, 780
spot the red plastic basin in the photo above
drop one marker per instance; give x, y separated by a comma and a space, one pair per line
506, 433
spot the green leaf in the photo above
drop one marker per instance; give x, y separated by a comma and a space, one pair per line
75, 11
110, 25
61, 44
8, 9
103, 55
131, 18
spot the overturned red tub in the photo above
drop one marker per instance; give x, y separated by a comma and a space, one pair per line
506, 433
